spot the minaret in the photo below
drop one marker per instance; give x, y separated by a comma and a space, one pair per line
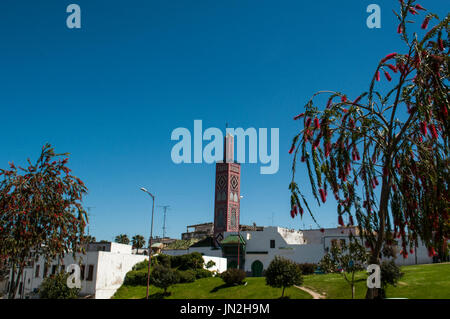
227, 193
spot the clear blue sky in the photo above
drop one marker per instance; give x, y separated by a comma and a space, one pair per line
112, 92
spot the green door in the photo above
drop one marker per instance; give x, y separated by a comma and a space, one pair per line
257, 268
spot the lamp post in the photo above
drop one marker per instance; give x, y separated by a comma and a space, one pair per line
150, 240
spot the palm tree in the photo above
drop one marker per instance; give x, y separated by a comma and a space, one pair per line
138, 241
122, 239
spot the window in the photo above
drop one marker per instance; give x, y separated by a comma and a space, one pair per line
272, 243
82, 269
90, 273
45, 270
53, 269
334, 243
36, 273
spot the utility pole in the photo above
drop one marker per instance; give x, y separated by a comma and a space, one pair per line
89, 216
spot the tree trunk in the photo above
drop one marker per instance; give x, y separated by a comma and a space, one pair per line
353, 291
15, 281
282, 293
375, 293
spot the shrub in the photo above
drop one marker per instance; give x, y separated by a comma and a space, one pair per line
163, 277
143, 265
188, 261
307, 268
163, 260
390, 274
55, 287
283, 273
233, 276
136, 278
202, 273
210, 264
186, 276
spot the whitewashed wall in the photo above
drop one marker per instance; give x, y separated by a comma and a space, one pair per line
220, 266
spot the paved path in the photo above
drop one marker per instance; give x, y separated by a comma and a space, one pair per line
314, 294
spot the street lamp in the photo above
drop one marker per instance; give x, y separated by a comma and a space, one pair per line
151, 237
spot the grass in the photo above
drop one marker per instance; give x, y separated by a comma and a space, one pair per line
213, 288
430, 281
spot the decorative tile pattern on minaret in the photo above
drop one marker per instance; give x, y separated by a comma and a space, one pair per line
227, 192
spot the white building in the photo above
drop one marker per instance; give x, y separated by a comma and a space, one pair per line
103, 269
259, 247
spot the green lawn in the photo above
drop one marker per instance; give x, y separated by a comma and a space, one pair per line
419, 282
213, 288
430, 281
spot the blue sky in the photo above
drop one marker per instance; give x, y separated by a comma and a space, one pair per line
112, 92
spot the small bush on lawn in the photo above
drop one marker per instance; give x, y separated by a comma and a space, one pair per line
233, 276
143, 265
390, 274
307, 268
283, 273
202, 273
185, 276
136, 278
188, 261
55, 287
163, 277
210, 264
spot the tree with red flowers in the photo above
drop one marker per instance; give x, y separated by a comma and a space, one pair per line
40, 212
384, 154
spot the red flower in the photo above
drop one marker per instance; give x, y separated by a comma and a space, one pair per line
423, 128
388, 57
413, 11
378, 76
344, 99
441, 44
292, 149
308, 122
388, 76
392, 67
419, 7
399, 28
299, 116
433, 131
301, 211
322, 195
431, 252
425, 23
316, 123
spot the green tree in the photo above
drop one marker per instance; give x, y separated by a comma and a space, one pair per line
384, 154
122, 239
40, 212
163, 277
55, 287
138, 241
90, 239
346, 259
390, 274
283, 273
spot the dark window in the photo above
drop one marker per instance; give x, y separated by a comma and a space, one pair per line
90, 273
45, 270
36, 274
272, 243
334, 243
82, 268
53, 269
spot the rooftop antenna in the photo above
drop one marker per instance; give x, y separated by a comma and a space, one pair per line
165, 207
